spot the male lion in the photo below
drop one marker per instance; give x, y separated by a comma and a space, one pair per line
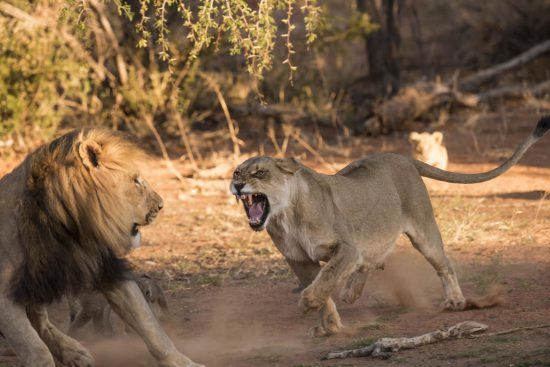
351, 220
68, 215
429, 148
94, 307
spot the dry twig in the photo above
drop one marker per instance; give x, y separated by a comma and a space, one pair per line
231, 127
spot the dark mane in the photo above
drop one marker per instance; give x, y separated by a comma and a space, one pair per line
61, 222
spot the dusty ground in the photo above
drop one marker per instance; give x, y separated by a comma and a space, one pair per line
230, 291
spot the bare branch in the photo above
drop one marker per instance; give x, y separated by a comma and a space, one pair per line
485, 75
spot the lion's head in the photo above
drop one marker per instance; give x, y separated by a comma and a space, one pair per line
83, 205
264, 185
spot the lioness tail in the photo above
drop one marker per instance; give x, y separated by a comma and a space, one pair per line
465, 178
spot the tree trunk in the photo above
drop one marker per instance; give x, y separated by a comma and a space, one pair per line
381, 45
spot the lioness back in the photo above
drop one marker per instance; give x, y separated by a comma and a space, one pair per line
394, 175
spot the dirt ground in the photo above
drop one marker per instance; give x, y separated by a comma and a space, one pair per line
230, 292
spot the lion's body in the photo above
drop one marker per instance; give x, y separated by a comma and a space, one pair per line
68, 216
351, 220
94, 307
429, 148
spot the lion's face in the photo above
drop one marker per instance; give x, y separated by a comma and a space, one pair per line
146, 204
124, 198
264, 185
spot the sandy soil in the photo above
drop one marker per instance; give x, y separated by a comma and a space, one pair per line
230, 292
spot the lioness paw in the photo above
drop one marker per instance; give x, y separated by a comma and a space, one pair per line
309, 301
454, 304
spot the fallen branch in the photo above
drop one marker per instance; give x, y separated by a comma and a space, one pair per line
515, 91
383, 348
482, 76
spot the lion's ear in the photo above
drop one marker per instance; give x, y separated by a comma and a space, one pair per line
438, 136
288, 165
90, 153
414, 136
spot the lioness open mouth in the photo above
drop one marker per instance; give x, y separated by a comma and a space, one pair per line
256, 207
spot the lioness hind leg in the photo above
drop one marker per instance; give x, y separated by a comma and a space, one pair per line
65, 349
428, 242
22, 337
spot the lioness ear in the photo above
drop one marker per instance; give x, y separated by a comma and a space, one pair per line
414, 136
288, 165
90, 153
438, 137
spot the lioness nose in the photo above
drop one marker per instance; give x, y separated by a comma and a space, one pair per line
238, 187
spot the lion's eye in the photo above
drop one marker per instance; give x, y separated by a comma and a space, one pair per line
260, 173
138, 181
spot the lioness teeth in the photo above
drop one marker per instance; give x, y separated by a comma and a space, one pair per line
247, 198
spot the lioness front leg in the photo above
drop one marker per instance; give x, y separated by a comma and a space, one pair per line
128, 302
330, 319
64, 348
339, 267
355, 285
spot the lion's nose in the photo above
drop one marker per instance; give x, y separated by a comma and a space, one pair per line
238, 187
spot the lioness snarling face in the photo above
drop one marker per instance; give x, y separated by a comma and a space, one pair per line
351, 220
263, 185
68, 216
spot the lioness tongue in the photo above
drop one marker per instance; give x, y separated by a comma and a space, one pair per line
255, 211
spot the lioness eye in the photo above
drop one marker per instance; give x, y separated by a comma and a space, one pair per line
236, 174
260, 173
138, 181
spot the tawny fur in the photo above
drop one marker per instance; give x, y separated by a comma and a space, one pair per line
69, 213
351, 220
429, 148
94, 307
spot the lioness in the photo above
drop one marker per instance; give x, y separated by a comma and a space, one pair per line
68, 215
429, 148
351, 220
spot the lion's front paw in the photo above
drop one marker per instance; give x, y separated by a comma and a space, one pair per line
309, 301
73, 355
178, 360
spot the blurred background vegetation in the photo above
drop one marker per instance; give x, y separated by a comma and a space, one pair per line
196, 79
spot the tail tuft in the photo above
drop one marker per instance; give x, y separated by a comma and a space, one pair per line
542, 127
